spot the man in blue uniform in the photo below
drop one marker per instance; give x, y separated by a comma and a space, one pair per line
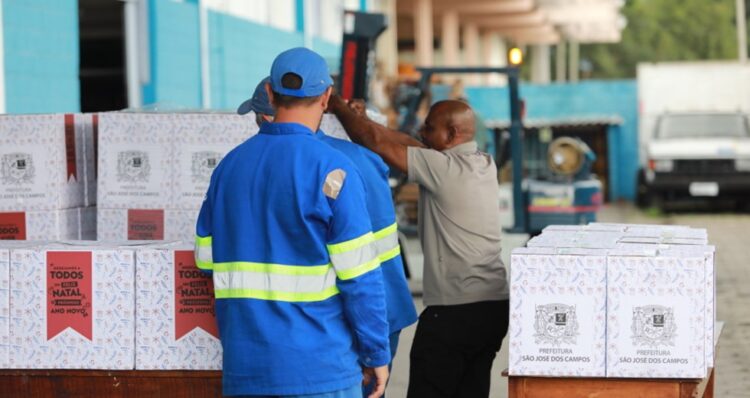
285, 231
400, 306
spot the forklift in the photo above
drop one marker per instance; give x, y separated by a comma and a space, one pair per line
570, 194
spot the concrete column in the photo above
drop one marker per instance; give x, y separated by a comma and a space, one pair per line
471, 51
560, 62
574, 59
741, 31
540, 64
449, 43
387, 44
423, 32
495, 54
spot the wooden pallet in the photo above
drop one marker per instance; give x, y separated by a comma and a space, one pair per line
32, 383
559, 387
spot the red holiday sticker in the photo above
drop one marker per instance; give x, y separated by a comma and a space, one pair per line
70, 146
13, 226
193, 296
145, 224
69, 293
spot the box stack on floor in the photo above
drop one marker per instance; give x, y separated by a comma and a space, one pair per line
613, 300
44, 164
100, 305
133, 299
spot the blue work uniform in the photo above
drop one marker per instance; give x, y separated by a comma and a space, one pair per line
374, 172
299, 290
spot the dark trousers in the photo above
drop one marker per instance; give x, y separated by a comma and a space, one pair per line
453, 349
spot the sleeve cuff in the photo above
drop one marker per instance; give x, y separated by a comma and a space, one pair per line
374, 360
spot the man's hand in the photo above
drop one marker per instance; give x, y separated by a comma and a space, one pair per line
359, 107
379, 376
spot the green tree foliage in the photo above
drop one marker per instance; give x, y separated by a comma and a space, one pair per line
666, 30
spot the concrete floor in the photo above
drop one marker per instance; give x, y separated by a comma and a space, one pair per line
730, 232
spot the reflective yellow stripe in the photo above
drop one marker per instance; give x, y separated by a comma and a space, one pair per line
204, 252
276, 296
386, 231
267, 268
390, 254
204, 265
350, 245
351, 273
201, 241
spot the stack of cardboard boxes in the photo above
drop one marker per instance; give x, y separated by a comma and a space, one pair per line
613, 300
154, 170
95, 305
45, 192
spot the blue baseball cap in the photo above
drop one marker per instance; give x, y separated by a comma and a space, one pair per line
259, 102
306, 64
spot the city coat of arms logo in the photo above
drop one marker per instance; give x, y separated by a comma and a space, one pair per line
204, 163
654, 325
133, 166
556, 324
17, 168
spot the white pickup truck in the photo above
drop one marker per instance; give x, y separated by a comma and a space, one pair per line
697, 155
693, 131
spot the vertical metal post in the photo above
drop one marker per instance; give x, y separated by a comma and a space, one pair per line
2, 62
741, 31
133, 54
410, 120
205, 55
516, 149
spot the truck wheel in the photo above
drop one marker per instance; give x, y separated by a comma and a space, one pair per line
643, 193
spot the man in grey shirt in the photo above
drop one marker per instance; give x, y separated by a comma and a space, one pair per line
465, 286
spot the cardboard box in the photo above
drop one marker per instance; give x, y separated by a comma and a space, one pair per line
656, 326
145, 224
708, 253
41, 163
136, 161
88, 223
40, 225
4, 304
557, 316
175, 321
576, 239
72, 307
88, 124
202, 140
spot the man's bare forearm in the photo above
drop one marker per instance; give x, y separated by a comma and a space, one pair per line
365, 131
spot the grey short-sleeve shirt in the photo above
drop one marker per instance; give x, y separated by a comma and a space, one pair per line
459, 225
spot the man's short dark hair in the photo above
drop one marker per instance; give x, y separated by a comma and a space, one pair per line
292, 81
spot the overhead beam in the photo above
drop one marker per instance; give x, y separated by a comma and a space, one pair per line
530, 18
472, 6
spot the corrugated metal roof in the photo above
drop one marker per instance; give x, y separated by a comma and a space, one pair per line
560, 122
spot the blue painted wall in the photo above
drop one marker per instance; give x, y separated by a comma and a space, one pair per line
241, 55
586, 99
40, 38
175, 55
242, 52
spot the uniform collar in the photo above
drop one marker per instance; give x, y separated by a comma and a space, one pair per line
466, 147
284, 128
